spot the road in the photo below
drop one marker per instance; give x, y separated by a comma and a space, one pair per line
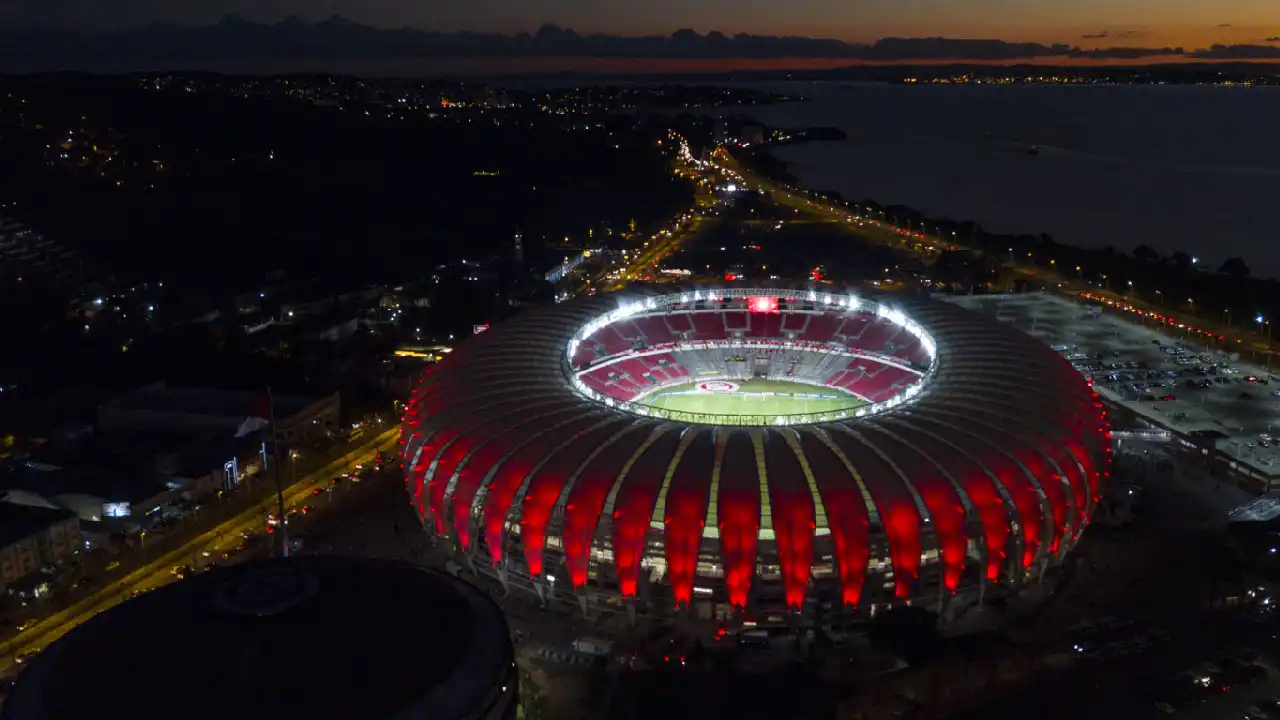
158, 572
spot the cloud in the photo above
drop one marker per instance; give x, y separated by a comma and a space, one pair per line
1275, 39
1103, 34
1238, 52
1224, 24
337, 38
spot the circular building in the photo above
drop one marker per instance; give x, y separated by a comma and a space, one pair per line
761, 449
305, 637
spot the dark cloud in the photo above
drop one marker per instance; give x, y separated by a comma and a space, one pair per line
1238, 52
1275, 39
337, 38
1224, 24
1103, 34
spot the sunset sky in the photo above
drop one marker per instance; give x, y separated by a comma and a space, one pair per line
1188, 23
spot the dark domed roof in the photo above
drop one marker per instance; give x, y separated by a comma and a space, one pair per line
305, 637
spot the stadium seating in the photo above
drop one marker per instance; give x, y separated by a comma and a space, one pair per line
765, 325
794, 322
628, 331
584, 356
624, 378
679, 323
821, 328
633, 368
655, 330
851, 328
708, 326
879, 383
612, 343
873, 336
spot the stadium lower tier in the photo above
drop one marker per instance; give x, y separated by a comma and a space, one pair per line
636, 374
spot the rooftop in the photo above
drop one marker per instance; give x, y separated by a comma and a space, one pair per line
162, 398
22, 521
309, 636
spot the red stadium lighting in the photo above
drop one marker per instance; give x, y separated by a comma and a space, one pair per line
1014, 475
764, 304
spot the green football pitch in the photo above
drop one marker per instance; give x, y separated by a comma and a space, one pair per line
754, 397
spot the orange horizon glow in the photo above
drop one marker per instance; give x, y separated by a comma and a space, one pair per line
657, 66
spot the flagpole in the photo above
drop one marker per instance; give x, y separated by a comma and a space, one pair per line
283, 549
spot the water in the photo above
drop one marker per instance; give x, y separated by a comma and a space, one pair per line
1185, 168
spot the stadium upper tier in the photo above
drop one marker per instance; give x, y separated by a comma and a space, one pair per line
986, 468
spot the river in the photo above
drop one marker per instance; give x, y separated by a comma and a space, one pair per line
1191, 168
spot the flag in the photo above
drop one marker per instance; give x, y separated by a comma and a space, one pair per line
259, 417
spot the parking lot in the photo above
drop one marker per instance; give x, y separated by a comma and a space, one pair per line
1170, 380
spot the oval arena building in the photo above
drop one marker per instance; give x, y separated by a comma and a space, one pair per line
757, 449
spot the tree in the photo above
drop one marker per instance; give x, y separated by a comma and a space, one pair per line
910, 633
1235, 267
1144, 253
1181, 261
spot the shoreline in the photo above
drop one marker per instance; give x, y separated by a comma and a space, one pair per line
1176, 282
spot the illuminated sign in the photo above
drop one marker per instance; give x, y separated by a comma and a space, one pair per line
477, 329
677, 271
763, 304
116, 510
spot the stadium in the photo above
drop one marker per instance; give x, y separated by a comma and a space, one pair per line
756, 452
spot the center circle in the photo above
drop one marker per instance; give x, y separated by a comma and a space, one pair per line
718, 386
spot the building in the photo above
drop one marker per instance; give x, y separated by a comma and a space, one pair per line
127, 481
304, 637
970, 468
161, 408
33, 537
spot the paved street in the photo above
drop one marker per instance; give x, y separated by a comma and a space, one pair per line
226, 535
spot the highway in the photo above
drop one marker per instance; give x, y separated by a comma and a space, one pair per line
223, 537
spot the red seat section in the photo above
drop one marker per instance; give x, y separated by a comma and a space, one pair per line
766, 326
852, 327
655, 330
874, 336
734, 320
821, 328
794, 322
879, 382
583, 357
708, 326
679, 323
628, 331
611, 341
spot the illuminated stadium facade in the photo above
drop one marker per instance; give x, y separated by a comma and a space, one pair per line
969, 457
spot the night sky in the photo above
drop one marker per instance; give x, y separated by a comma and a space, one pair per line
1086, 23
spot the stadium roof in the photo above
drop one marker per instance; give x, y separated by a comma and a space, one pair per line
1005, 446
